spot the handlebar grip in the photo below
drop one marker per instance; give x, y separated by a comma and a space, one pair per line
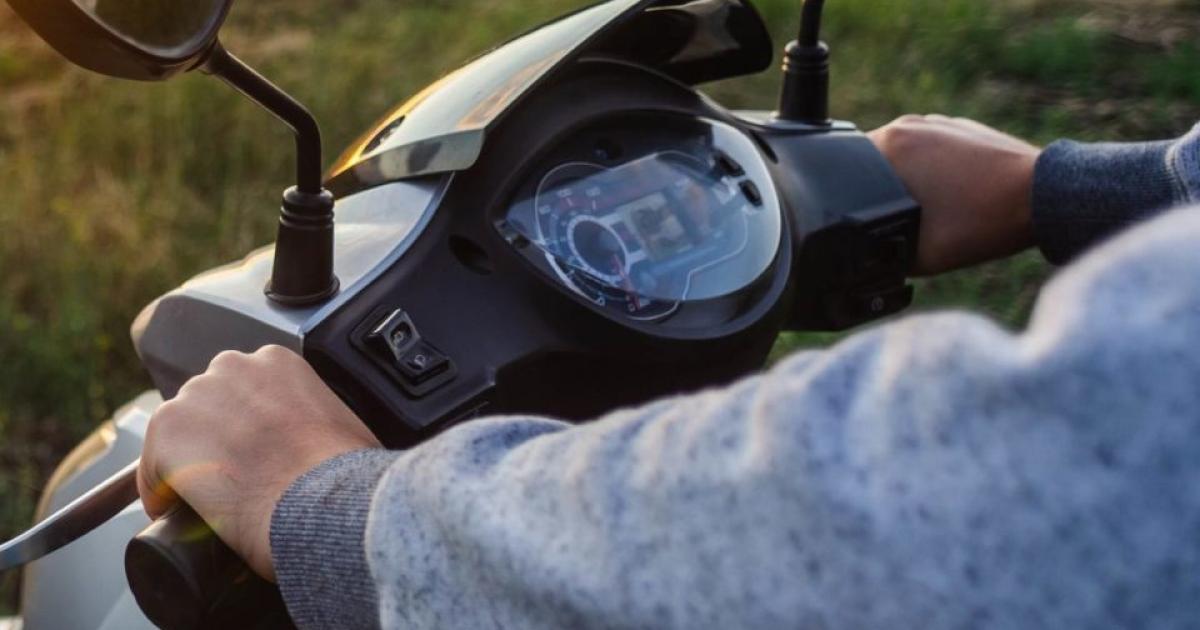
185, 578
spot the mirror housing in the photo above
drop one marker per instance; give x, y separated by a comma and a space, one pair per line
89, 42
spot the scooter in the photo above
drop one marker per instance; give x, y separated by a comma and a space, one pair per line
563, 226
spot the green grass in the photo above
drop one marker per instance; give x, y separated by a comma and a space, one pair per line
114, 192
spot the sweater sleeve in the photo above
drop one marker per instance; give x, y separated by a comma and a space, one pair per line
938, 472
1085, 193
317, 534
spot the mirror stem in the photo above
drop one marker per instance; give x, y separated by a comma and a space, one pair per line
222, 64
805, 97
303, 273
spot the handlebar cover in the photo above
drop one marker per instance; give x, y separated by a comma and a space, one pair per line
185, 578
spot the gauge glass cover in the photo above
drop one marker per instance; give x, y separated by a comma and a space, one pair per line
651, 217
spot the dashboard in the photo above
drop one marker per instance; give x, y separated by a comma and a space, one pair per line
621, 238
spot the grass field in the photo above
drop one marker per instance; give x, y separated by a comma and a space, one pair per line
113, 193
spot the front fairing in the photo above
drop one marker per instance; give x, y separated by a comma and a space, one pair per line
444, 127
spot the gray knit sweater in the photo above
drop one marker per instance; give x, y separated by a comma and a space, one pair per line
936, 472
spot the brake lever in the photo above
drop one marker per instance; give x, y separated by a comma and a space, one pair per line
80, 517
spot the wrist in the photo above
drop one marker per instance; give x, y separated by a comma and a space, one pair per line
318, 541
1021, 218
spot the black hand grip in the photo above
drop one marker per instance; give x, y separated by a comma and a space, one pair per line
185, 578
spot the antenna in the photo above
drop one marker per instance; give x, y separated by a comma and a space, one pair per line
805, 96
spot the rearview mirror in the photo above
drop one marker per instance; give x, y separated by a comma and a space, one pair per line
146, 40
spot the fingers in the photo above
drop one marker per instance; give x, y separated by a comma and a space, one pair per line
899, 136
234, 438
972, 182
956, 121
157, 497
912, 133
276, 353
228, 374
960, 125
153, 479
939, 119
232, 360
914, 121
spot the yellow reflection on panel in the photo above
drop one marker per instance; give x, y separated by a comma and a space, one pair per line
358, 149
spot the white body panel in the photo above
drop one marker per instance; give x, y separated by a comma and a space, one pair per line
226, 308
83, 585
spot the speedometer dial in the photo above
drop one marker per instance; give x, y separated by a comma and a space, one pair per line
647, 225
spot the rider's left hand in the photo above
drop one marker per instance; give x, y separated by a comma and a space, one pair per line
236, 437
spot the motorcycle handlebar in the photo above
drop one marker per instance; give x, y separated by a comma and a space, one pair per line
185, 578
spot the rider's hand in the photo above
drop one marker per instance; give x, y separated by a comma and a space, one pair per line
975, 184
235, 438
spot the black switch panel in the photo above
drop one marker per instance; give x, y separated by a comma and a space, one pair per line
393, 342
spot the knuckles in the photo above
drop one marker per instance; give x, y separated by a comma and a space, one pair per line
901, 136
275, 354
164, 413
168, 420
234, 362
910, 119
272, 351
230, 375
227, 360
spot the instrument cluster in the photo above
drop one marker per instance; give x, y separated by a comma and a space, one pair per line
646, 217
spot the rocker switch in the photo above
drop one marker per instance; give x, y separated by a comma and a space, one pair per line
422, 363
414, 362
393, 337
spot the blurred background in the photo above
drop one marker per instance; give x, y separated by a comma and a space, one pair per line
112, 193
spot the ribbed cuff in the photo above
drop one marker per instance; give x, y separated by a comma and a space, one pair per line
318, 542
1084, 193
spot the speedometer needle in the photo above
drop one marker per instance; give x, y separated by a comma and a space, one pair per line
630, 290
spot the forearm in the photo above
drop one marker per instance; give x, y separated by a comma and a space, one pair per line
1084, 193
934, 473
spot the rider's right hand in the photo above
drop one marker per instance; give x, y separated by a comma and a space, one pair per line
975, 184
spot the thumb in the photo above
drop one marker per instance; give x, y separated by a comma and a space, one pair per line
158, 498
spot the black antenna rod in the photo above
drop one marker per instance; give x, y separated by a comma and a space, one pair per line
805, 96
